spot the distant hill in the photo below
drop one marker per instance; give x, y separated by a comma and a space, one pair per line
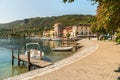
48, 22
36, 26
11, 24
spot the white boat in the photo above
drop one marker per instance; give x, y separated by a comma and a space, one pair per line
45, 38
62, 48
56, 39
34, 49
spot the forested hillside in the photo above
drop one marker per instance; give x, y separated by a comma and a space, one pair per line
11, 24
39, 24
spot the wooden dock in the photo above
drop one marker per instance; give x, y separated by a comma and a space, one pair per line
30, 61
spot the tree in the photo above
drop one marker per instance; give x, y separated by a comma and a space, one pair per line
108, 15
68, 35
118, 36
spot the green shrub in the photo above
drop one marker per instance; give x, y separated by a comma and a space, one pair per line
118, 41
118, 37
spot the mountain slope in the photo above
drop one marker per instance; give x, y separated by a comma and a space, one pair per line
48, 22
11, 24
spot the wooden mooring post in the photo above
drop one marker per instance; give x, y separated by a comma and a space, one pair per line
18, 57
40, 55
28, 56
30, 61
12, 56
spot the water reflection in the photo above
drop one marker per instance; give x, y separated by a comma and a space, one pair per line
6, 68
52, 44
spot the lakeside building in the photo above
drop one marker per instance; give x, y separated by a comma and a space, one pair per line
83, 30
49, 33
74, 31
58, 28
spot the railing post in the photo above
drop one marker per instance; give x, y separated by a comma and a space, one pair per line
28, 55
12, 56
18, 57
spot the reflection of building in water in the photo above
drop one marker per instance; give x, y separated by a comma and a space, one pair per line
45, 43
51, 43
54, 44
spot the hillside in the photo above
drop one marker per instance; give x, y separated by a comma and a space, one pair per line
11, 24
48, 21
39, 24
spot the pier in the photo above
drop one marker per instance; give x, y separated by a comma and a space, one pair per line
30, 61
70, 42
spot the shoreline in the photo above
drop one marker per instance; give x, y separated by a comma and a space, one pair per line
89, 47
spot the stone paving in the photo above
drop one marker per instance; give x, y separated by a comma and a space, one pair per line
100, 65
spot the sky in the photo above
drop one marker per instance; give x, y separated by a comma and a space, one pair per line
11, 10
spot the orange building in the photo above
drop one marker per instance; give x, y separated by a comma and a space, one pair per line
67, 30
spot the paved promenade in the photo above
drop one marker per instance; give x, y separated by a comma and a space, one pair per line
99, 65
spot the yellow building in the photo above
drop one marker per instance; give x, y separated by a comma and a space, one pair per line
74, 31
83, 29
58, 28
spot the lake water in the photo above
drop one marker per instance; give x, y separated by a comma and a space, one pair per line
6, 68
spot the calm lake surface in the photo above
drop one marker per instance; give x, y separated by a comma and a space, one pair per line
6, 44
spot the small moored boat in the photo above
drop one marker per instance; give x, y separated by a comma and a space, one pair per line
34, 49
56, 39
45, 38
62, 48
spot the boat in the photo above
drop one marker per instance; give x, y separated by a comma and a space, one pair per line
45, 38
56, 39
63, 48
34, 49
